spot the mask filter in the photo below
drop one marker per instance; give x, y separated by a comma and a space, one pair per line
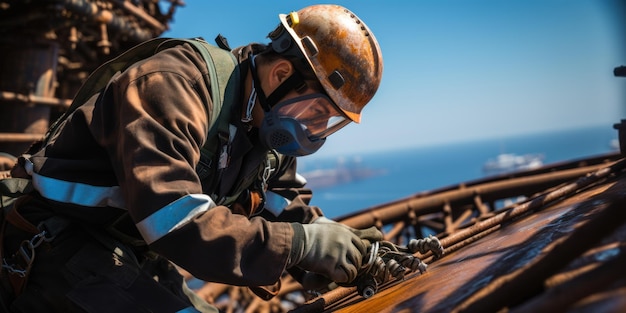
287, 136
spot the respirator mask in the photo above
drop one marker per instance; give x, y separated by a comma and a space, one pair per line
299, 126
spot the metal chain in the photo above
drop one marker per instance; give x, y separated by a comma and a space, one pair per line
387, 260
26, 251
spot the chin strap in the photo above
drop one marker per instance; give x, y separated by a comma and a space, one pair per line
251, 103
293, 82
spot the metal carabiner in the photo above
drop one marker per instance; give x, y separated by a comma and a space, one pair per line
25, 252
13, 270
38, 239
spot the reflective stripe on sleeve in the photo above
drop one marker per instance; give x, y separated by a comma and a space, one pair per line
300, 179
173, 216
75, 193
275, 203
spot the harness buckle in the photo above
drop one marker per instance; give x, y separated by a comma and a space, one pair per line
22, 260
268, 170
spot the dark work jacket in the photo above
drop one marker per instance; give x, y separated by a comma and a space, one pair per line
133, 149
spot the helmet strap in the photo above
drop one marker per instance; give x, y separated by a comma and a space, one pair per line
250, 105
293, 82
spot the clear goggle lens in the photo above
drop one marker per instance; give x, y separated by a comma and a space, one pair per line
315, 112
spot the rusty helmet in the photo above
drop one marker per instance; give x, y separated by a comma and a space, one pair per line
338, 47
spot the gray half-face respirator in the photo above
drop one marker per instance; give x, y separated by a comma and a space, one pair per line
287, 135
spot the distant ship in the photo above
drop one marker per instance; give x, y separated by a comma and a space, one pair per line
614, 144
509, 162
344, 172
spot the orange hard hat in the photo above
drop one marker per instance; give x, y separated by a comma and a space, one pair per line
339, 48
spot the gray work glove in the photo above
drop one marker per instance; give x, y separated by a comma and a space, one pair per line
331, 249
371, 234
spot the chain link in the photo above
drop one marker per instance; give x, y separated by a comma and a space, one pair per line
26, 252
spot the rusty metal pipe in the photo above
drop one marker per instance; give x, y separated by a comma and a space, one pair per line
138, 12
395, 231
425, 204
33, 99
456, 225
535, 203
318, 304
95, 14
20, 137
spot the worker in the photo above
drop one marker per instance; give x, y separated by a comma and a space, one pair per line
132, 184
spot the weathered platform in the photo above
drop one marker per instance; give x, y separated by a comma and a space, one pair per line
567, 254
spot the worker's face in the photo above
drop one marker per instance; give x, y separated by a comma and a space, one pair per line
311, 108
315, 112
299, 123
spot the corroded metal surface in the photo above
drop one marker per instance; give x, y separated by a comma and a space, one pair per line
523, 265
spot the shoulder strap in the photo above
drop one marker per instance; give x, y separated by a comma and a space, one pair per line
99, 78
225, 79
221, 64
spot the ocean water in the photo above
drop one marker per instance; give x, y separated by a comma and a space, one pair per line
410, 171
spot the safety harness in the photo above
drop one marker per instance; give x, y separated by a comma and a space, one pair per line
221, 65
224, 77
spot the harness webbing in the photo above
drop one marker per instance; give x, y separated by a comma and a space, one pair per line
222, 68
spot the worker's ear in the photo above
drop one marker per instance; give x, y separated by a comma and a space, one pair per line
281, 70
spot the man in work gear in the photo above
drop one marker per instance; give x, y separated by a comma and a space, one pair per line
145, 171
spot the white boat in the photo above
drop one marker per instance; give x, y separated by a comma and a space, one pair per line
509, 162
614, 144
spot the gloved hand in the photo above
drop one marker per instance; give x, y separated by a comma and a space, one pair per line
328, 249
331, 249
371, 234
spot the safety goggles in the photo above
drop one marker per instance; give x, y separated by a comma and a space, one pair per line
317, 114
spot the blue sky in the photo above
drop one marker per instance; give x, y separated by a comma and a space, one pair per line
458, 70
